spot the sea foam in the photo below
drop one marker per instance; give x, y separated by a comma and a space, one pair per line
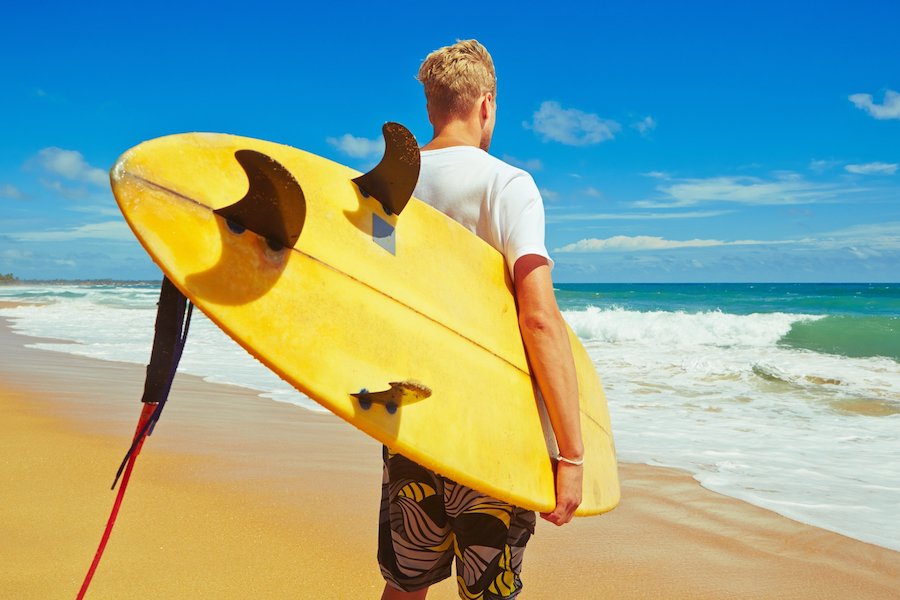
810, 435
805, 434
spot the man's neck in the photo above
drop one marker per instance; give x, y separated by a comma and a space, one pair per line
455, 133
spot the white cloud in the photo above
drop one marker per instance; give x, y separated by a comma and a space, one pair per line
640, 216
889, 109
873, 168
529, 165
45, 96
11, 191
70, 193
645, 125
358, 147
593, 192
876, 235
571, 126
70, 164
99, 210
646, 242
549, 194
108, 230
862, 253
862, 241
789, 188
820, 166
16, 254
656, 174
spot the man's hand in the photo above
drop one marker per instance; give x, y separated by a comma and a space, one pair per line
568, 493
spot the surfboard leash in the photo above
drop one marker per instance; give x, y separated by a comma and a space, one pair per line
173, 318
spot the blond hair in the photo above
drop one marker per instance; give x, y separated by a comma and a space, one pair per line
456, 76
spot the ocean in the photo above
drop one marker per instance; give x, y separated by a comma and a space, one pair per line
786, 396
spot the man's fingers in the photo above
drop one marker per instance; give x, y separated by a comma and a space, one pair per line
552, 518
560, 515
566, 515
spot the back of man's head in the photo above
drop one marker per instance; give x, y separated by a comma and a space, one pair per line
455, 77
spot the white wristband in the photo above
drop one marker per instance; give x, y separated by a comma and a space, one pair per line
571, 461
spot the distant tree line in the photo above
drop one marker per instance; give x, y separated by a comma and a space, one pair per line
8, 277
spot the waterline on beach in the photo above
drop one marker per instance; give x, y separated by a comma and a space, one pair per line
809, 434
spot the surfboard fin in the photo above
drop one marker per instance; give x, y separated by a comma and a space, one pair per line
400, 392
393, 180
274, 206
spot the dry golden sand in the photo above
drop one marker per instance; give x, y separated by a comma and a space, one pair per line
236, 496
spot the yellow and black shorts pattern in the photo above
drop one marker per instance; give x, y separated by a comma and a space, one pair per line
428, 522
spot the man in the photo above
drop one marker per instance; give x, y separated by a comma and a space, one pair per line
421, 531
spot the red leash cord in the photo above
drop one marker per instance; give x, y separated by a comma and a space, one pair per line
145, 416
173, 318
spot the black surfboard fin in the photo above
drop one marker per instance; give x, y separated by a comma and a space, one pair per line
400, 393
393, 180
274, 206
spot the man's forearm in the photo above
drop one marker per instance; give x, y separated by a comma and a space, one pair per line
550, 355
549, 352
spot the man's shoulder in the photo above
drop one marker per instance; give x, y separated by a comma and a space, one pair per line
513, 177
471, 168
509, 169
476, 157
502, 167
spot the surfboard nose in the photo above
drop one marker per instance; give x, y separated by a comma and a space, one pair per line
118, 170
197, 166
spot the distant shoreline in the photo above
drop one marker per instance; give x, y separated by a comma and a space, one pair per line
109, 281
78, 282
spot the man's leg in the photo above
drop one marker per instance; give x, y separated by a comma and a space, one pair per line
490, 540
392, 593
415, 545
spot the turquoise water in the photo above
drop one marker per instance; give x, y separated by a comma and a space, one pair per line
860, 320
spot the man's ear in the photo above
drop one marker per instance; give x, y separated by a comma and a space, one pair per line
486, 106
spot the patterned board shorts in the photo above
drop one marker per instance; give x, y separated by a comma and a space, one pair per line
427, 521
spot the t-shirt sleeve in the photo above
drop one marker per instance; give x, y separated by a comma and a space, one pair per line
519, 220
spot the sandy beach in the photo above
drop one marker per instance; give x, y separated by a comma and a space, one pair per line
237, 496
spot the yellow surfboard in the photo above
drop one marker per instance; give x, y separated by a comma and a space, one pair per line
402, 324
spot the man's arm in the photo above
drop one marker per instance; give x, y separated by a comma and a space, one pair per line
550, 356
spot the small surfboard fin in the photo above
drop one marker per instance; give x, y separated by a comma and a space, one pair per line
393, 180
400, 393
274, 206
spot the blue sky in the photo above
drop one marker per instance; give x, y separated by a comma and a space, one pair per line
690, 141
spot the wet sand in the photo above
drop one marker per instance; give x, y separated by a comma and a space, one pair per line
237, 496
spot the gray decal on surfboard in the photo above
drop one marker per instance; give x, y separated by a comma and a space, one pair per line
383, 234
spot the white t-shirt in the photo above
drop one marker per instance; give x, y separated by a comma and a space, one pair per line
497, 202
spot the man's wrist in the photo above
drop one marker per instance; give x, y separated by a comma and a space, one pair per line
576, 460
